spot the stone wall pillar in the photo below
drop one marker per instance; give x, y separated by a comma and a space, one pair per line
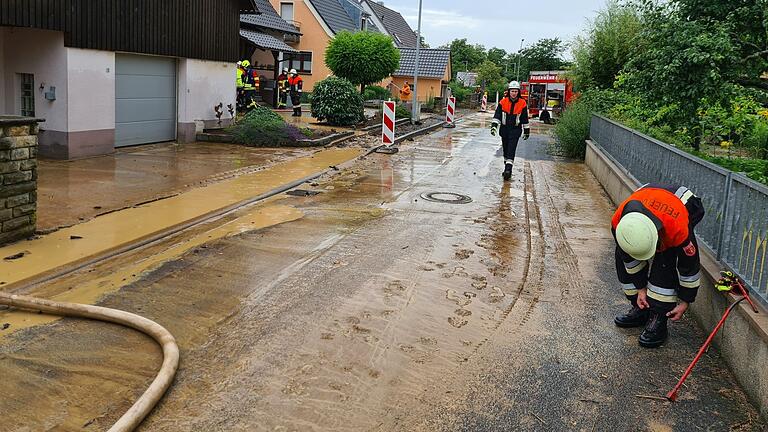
18, 177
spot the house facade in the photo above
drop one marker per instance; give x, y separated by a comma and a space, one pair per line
116, 73
319, 21
434, 72
263, 42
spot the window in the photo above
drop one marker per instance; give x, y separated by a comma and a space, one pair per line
301, 61
286, 11
27, 95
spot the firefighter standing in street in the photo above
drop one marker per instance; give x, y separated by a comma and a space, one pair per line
657, 222
405, 93
511, 120
282, 89
295, 83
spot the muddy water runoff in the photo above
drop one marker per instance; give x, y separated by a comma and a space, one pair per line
370, 308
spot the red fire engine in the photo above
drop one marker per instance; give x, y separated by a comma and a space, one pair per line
548, 93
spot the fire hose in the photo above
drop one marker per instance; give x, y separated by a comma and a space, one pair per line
728, 282
144, 405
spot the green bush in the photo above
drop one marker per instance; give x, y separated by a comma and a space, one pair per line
459, 91
376, 93
402, 112
336, 101
306, 97
572, 129
262, 127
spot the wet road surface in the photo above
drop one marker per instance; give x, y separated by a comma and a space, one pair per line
367, 307
72, 191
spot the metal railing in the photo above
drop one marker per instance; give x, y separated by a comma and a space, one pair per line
735, 227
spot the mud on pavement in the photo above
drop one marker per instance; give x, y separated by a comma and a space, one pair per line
379, 310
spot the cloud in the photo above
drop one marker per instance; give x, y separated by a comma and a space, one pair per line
441, 19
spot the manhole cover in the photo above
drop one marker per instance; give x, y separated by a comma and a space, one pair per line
446, 197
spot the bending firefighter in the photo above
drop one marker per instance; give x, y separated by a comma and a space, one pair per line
656, 222
295, 84
511, 120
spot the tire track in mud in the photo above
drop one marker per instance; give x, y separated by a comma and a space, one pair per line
564, 254
533, 268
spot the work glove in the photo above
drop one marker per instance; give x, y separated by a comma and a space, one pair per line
494, 130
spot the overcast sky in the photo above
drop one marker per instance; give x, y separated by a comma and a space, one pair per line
499, 23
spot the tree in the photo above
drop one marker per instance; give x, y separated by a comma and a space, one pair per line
545, 54
489, 75
497, 56
693, 54
362, 58
465, 56
609, 43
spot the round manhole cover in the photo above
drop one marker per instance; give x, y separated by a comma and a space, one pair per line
446, 197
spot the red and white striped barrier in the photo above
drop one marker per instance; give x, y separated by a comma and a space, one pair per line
450, 112
484, 104
388, 123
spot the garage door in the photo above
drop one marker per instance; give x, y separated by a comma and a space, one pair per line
145, 99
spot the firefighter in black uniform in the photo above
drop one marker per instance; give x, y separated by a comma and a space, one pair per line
511, 120
295, 86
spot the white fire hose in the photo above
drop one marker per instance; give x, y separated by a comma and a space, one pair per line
136, 414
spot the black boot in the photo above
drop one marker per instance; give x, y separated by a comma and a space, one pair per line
655, 332
636, 317
507, 174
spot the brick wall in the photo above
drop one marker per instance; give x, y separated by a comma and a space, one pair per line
18, 178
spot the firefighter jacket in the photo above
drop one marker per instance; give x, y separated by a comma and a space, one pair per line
295, 84
512, 114
251, 79
405, 93
239, 80
282, 82
675, 211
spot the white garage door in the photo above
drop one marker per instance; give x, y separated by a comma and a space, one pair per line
145, 105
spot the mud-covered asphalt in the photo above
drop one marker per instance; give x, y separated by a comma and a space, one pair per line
368, 308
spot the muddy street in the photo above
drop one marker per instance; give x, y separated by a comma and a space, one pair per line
368, 306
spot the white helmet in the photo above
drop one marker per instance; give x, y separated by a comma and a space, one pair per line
637, 235
293, 72
514, 85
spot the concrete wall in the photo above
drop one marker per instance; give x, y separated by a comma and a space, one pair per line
743, 340
42, 53
203, 85
91, 102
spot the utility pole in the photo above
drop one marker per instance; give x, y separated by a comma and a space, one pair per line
517, 70
415, 110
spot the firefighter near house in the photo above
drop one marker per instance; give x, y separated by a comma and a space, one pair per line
511, 121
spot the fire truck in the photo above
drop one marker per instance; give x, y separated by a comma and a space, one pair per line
548, 93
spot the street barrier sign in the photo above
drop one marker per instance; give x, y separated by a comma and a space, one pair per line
388, 123
450, 112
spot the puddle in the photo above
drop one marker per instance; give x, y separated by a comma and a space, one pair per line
115, 230
93, 289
